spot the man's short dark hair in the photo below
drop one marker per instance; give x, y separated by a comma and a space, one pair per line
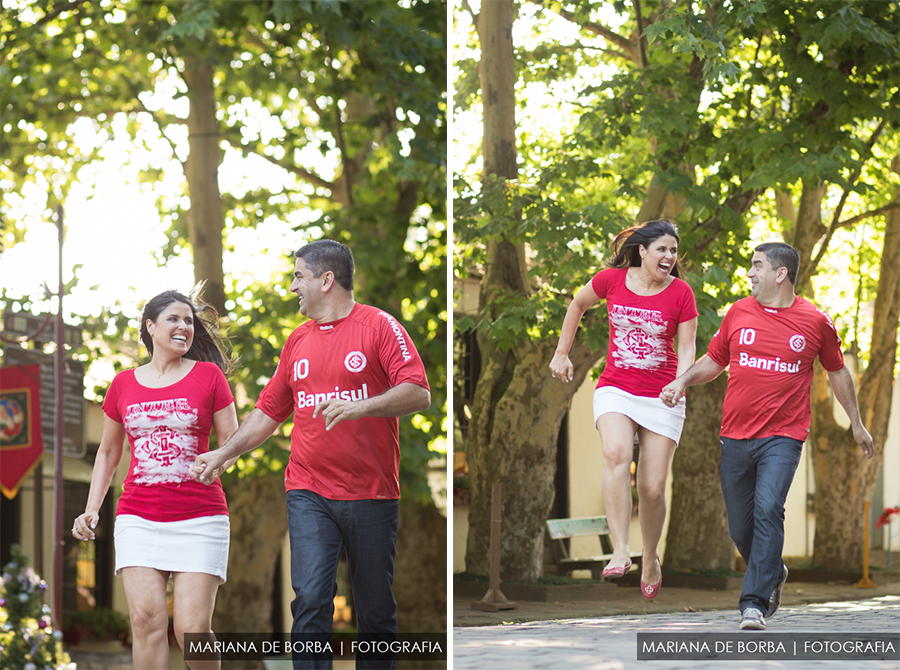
781, 255
328, 255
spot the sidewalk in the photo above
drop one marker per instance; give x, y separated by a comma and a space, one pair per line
610, 643
628, 600
602, 635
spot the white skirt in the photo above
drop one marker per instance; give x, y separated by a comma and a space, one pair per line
650, 413
192, 545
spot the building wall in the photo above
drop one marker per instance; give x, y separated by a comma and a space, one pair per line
892, 470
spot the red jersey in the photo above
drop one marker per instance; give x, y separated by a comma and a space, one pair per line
360, 356
641, 358
771, 353
167, 428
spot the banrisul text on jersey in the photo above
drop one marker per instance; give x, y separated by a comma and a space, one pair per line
311, 399
773, 364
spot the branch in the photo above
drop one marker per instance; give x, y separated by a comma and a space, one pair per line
305, 175
578, 46
59, 10
640, 33
598, 29
739, 202
837, 212
339, 128
846, 223
468, 8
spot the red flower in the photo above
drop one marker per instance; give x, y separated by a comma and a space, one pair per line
885, 518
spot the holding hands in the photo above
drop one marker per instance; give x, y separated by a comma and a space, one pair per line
672, 393
207, 467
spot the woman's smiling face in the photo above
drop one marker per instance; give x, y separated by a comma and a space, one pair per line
659, 257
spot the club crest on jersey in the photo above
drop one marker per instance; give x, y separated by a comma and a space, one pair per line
355, 361
798, 343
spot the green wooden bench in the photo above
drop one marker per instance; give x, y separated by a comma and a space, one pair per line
563, 529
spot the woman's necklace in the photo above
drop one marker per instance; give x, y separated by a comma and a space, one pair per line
162, 374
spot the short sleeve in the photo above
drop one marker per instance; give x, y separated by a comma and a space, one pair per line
111, 401
831, 356
688, 304
222, 395
397, 354
277, 399
720, 347
603, 282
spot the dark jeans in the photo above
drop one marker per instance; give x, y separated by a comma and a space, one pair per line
756, 476
319, 528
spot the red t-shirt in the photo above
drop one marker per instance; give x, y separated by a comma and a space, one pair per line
641, 358
771, 353
360, 356
167, 428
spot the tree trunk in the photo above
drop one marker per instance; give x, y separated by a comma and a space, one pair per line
845, 479
497, 70
807, 231
258, 511
696, 489
511, 440
205, 218
420, 569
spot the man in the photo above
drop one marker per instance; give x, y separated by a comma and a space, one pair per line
346, 375
770, 341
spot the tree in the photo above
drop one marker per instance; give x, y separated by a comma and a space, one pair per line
703, 116
346, 100
495, 449
28, 638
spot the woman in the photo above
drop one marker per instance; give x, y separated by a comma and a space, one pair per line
648, 307
167, 524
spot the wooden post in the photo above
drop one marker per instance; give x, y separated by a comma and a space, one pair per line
866, 582
494, 600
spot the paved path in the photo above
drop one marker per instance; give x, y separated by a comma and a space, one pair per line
610, 643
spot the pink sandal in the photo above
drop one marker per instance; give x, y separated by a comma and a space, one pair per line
612, 573
650, 591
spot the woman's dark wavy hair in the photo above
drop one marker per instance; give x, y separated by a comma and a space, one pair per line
208, 343
626, 246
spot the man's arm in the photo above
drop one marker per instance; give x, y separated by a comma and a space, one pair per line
403, 399
704, 370
845, 392
252, 433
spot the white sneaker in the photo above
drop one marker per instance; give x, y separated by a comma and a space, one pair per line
752, 619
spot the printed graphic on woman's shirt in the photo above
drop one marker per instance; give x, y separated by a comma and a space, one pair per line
164, 439
639, 336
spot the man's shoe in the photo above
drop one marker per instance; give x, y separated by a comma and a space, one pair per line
775, 598
752, 619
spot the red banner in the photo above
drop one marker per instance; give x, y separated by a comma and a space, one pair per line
21, 446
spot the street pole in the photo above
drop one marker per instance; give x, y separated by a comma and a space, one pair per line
60, 428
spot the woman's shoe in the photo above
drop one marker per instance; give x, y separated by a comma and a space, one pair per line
612, 573
649, 591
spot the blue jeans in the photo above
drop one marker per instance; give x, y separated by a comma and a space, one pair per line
756, 476
319, 529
